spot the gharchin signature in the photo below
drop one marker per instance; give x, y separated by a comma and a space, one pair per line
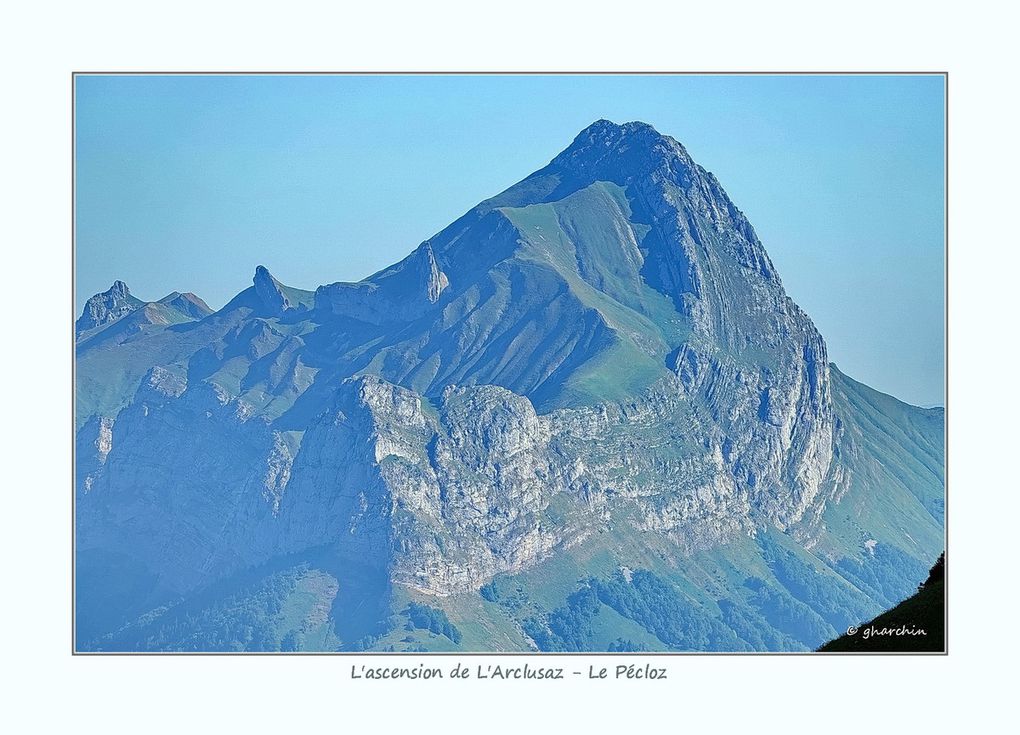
872, 631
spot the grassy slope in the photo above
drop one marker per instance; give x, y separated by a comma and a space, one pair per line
111, 365
894, 453
698, 584
580, 239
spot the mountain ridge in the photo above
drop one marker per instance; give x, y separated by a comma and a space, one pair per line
600, 363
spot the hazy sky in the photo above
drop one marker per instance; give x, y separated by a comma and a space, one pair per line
188, 183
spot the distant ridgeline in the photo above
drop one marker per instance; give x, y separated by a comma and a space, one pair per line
585, 416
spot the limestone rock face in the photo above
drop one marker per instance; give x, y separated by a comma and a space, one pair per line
443, 500
753, 361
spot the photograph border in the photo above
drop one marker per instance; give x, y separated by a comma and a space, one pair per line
429, 654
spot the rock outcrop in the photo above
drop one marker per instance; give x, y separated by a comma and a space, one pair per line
270, 292
402, 293
106, 307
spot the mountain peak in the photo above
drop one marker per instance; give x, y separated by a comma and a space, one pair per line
605, 138
262, 274
119, 289
106, 307
620, 153
186, 303
270, 291
272, 297
603, 128
607, 151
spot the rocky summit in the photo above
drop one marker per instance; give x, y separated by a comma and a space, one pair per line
585, 416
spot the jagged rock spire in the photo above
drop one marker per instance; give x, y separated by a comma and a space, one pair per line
270, 291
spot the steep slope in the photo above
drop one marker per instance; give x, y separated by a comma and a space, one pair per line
593, 378
916, 625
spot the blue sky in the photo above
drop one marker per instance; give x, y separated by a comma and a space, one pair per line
188, 183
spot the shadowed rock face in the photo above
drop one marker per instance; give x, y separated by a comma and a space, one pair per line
270, 291
601, 357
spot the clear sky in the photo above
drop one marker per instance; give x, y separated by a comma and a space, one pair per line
188, 183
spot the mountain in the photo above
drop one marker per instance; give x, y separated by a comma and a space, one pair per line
107, 307
584, 416
112, 305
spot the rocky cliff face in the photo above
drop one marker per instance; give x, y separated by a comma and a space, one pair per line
107, 307
602, 352
443, 501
